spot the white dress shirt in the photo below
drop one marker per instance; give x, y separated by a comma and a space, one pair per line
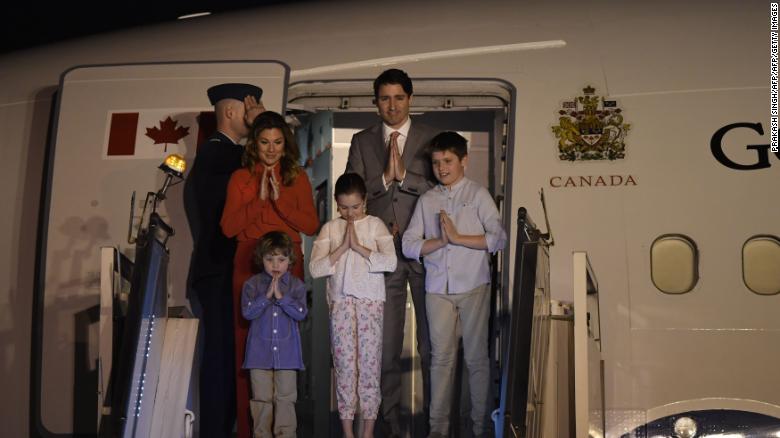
403, 130
353, 274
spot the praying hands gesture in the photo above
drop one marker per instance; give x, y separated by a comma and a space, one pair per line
269, 185
345, 244
354, 242
449, 234
273, 288
350, 241
395, 170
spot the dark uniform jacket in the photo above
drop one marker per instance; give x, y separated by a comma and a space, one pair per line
204, 198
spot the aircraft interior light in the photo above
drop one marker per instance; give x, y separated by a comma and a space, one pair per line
194, 15
685, 427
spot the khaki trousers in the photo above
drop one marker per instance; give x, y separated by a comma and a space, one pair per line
471, 311
274, 393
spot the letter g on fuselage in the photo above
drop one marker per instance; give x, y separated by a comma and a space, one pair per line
762, 150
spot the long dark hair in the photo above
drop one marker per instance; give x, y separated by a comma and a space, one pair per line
289, 160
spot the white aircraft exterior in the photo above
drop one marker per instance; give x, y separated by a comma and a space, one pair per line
679, 72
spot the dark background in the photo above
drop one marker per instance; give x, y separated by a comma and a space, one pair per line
29, 23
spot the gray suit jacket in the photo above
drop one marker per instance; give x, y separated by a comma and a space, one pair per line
368, 158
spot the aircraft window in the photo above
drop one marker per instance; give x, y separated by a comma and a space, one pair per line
761, 264
674, 264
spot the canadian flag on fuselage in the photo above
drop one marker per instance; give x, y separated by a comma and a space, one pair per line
156, 133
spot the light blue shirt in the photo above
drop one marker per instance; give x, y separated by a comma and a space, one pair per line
455, 269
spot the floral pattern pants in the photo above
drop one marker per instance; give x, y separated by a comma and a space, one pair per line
356, 342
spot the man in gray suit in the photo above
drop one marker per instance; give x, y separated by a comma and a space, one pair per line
391, 157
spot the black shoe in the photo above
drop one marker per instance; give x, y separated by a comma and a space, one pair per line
386, 429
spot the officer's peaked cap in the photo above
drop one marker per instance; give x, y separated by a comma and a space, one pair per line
233, 91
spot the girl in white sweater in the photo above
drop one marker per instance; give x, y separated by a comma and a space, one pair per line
354, 251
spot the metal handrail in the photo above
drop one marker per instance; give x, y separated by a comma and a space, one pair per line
526, 343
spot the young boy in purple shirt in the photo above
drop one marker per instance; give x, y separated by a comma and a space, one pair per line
455, 226
274, 301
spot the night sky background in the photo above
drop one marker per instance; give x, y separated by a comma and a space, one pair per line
29, 24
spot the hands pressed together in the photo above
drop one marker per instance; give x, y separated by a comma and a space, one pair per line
395, 170
449, 234
269, 186
350, 241
351, 238
273, 288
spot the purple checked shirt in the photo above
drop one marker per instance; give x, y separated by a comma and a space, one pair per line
274, 342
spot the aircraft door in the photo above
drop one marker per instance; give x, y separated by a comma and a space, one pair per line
317, 401
114, 125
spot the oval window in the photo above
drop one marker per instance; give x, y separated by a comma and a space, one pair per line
674, 264
761, 264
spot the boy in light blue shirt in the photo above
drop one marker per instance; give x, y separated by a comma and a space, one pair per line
455, 226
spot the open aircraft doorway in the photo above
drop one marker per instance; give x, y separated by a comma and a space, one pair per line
101, 151
328, 114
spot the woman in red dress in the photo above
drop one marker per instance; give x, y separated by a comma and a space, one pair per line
271, 192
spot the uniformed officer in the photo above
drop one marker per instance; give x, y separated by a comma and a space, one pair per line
211, 265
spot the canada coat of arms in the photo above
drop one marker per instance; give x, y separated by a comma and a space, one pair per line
590, 128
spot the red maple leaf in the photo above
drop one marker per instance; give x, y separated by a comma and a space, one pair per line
168, 132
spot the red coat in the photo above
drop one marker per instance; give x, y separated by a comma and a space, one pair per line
247, 218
